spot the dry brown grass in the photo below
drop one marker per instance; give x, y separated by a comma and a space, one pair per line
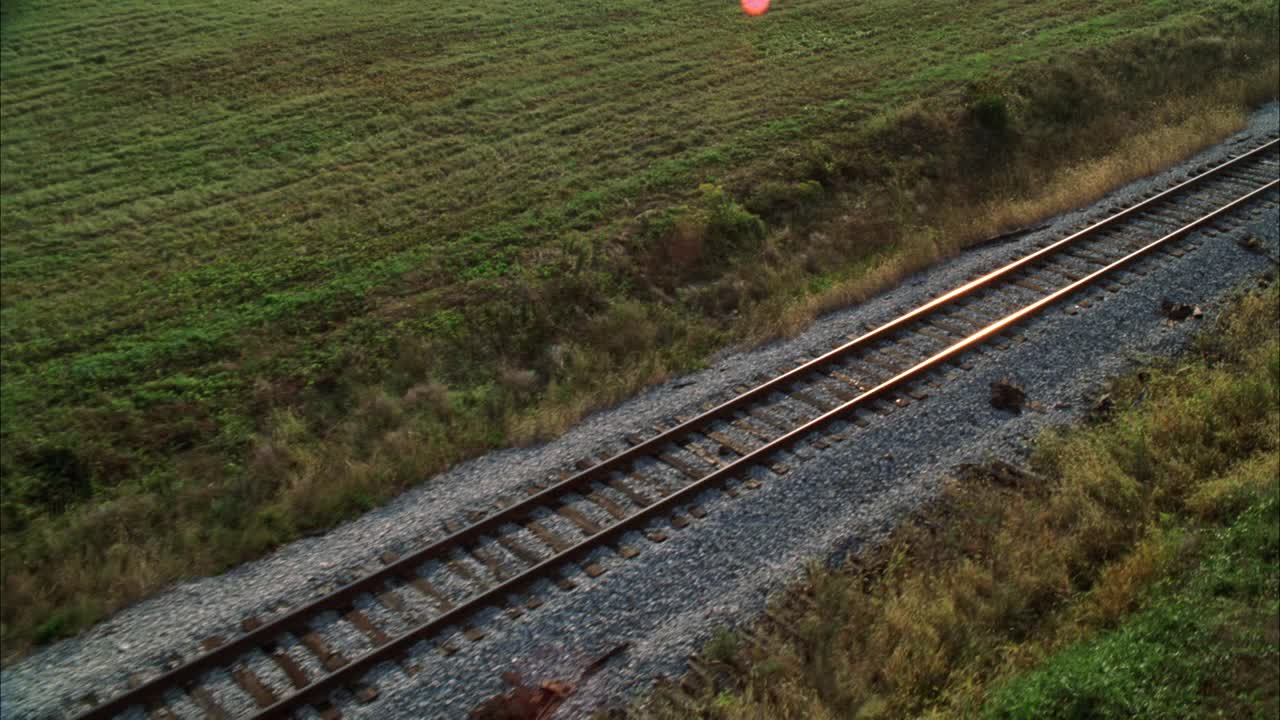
1173, 131
1179, 129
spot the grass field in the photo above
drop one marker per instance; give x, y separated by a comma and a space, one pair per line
1135, 574
265, 264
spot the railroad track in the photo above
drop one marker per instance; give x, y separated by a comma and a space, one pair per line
616, 503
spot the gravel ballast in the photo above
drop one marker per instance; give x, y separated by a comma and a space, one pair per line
665, 603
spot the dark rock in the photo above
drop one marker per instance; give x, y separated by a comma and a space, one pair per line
1251, 243
1103, 407
524, 702
1007, 396
1177, 311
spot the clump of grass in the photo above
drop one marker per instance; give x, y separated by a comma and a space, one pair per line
1127, 558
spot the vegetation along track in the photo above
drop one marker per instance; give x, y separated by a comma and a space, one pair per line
307, 655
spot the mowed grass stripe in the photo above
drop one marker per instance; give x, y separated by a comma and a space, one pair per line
462, 156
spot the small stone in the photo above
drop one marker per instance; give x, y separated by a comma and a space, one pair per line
367, 693
1103, 407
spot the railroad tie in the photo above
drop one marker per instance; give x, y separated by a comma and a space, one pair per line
839, 374
390, 600
329, 658
1088, 257
659, 484
158, 711
935, 335
836, 388
776, 467
768, 420
290, 667
1032, 286
460, 569
812, 400
914, 392
577, 517
635, 496
961, 318
600, 499
874, 361
492, 561
155, 707
899, 357
946, 326
366, 626
551, 539
679, 464
517, 548
207, 703
728, 442
745, 426
252, 685
1066, 272
423, 586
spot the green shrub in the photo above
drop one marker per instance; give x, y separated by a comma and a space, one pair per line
722, 647
990, 112
731, 229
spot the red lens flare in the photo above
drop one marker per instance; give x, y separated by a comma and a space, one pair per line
755, 7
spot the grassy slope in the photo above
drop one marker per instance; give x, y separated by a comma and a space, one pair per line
1140, 579
265, 263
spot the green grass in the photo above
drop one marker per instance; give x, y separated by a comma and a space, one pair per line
1134, 573
1207, 644
265, 264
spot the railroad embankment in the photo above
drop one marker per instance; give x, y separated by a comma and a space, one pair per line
1131, 569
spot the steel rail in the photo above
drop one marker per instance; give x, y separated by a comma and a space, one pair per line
348, 673
342, 597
